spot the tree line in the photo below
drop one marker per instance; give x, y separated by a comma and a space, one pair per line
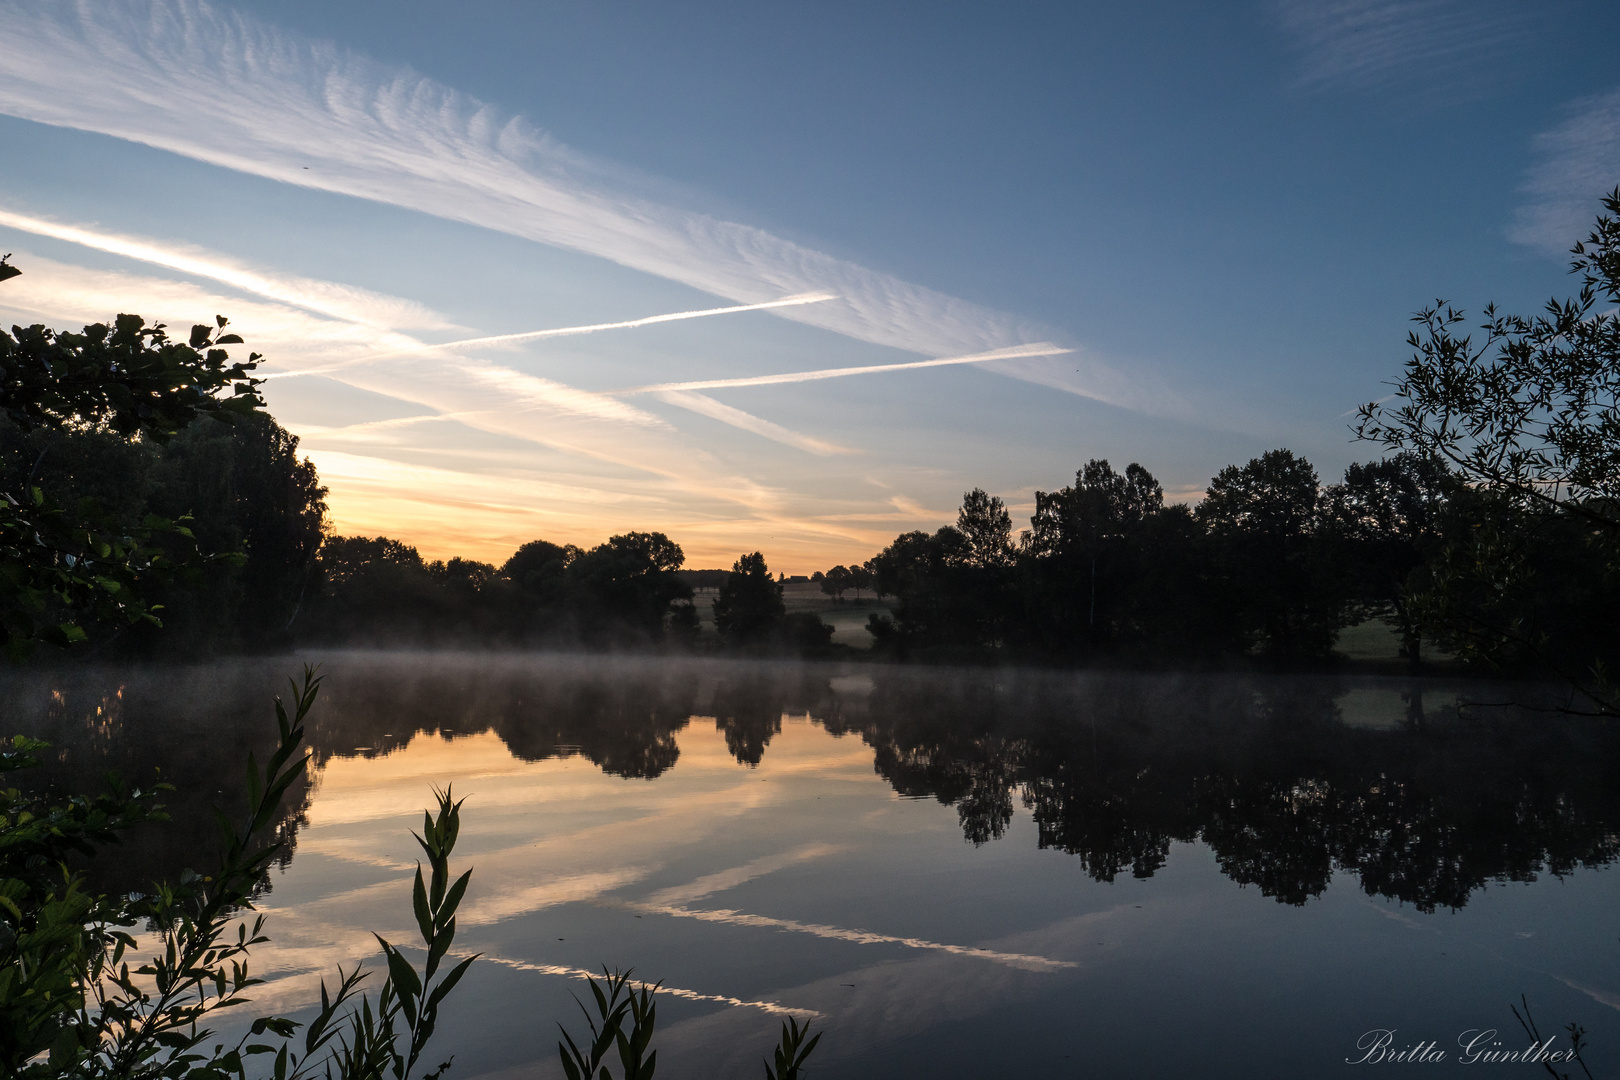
1271, 563
144, 485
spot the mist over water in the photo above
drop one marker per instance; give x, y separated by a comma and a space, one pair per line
960, 872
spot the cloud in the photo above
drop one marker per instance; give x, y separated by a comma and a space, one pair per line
1366, 43
345, 302
734, 876
707, 406
1580, 162
226, 89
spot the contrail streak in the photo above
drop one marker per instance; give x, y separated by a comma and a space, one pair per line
224, 88
566, 331
672, 991
859, 937
562, 331
1044, 348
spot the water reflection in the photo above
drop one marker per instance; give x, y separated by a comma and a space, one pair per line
1286, 780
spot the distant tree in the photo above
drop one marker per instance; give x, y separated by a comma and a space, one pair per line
803, 633
985, 524
1387, 517
538, 573
860, 578
749, 608
377, 589
1265, 519
624, 589
835, 582
1084, 556
954, 588
466, 576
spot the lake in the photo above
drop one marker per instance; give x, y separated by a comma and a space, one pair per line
955, 873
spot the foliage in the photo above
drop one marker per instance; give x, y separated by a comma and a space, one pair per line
1528, 418
1084, 560
62, 566
236, 487
1387, 520
791, 1053
749, 608
69, 994
626, 591
1532, 409
130, 377
618, 1003
1264, 518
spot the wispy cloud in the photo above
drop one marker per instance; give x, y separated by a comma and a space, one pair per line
226, 89
326, 297
635, 459
1367, 43
734, 876
1580, 161
704, 405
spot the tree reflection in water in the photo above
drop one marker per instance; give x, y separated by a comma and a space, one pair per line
1113, 768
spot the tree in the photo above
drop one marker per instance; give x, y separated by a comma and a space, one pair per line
1528, 417
245, 489
1265, 518
624, 589
860, 578
985, 524
63, 566
1387, 516
836, 582
1084, 549
377, 588
749, 607
1532, 409
955, 587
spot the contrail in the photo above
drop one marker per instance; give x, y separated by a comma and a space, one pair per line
859, 937
224, 88
1043, 348
531, 335
672, 991
561, 331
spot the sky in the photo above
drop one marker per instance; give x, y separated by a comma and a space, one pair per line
792, 278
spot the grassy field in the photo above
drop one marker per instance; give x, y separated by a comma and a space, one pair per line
848, 619
1371, 640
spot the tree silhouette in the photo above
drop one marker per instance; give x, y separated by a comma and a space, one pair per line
749, 607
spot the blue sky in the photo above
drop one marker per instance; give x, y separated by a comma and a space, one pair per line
1223, 212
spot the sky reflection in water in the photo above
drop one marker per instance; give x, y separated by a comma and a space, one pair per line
957, 873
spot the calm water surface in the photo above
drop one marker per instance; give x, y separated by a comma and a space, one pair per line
958, 874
